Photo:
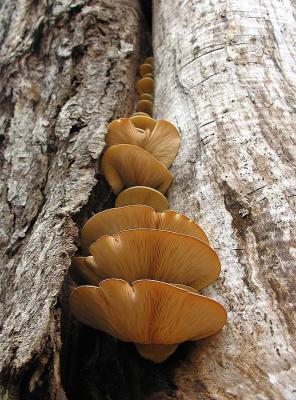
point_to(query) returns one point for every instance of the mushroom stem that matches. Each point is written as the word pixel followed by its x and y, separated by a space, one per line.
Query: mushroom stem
pixel 156 352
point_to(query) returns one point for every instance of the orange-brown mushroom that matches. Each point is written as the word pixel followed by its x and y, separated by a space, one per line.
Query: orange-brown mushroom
pixel 143 122
pixel 146 69
pixel 156 316
pixel 149 60
pixel 146 96
pixel 125 165
pixel 162 142
pixel 142 195
pixel 155 254
pixel 114 220
pixel 145 106
pixel 145 85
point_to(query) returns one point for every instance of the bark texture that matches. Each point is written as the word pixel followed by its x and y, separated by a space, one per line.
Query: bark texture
pixel 67 69
pixel 230 84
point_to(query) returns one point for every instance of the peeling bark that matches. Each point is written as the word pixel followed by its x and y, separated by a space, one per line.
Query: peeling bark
pixel 67 68
pixel 230 84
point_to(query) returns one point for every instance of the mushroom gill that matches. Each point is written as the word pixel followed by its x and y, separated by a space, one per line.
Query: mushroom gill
pixel 155 254
pixel 156 316
pixel 114 220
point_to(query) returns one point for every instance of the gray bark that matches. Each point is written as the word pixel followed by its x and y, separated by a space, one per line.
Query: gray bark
pixel 229 86
pixel 67 69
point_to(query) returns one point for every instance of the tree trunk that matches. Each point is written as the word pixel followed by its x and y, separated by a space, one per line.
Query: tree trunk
pixel 225 74
pixel 67 69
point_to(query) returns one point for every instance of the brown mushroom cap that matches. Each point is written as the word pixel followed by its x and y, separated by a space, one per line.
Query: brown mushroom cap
pixel 125 165
pixel 147 313
pixel 163 142
pixel 145 106
pixel 114 220
pixel 146 96
pixel 149 60
pixel 145 85
pixel 142 195
pixel 155 254
pixel 146 69
pixel 143 122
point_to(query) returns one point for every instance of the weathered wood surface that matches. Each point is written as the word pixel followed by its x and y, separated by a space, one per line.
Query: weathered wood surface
pixel 67 68
pixel 226 75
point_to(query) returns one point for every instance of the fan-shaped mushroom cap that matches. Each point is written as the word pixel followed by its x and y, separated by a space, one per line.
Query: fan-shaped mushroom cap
pixel 148 313
pixel 126 165
pixel 149 60
pixel 142 195
pixel 145 106
pixel 146 96
pixel 163 142
pixel 146 69
pixel 145 85
pixel 155 254
pixel 149 75
pixel 114 220
pixel 143 122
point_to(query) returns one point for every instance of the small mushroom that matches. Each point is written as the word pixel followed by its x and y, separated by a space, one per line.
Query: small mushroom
pixel 145 106
pixel 146 96
pixel 146 69
pixel 141 114
pixel 143 122
pixel 142 195
pixel 163 142
pixel 114 220
pixel 156 254
pixel 145 85
pixel 156 316
pixel 149 60
pixel 125 165
pixel 149 75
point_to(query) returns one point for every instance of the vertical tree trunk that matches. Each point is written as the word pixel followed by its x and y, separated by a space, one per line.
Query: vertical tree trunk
pixel 67 69
pixel 225 74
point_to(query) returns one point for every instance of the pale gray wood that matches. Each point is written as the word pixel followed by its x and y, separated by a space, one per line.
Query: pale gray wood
pixel 67 69
pixel 226 76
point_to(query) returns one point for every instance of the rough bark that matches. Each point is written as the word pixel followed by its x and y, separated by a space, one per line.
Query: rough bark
pixel 67 68
pixel 230 84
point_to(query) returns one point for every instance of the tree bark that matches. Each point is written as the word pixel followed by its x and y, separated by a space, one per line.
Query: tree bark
pixel 67 69
pixel 225 75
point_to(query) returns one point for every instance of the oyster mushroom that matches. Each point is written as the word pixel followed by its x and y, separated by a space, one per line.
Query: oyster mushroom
pixel 145 85
pixel 145 106
pixel 142 195
pixel 126 165
pixel 146 96
pixel 162 142
pixel 155 254
pixel 156 316
pixel 146 69
pixel 114 220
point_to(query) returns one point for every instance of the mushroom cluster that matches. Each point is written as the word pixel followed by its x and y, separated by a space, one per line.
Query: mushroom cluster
pixel 143 265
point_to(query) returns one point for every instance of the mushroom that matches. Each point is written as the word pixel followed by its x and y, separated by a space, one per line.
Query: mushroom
pixel 125 165
pixel 156 254
pixel 145 85
pixel 142 195
pixel 145 106
pixel 149 60
pixel 162 142
pixel 140 113
pixel 156 316
pixel 146 69
pixel 114 220
pixel 146 96
pixel 143 122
